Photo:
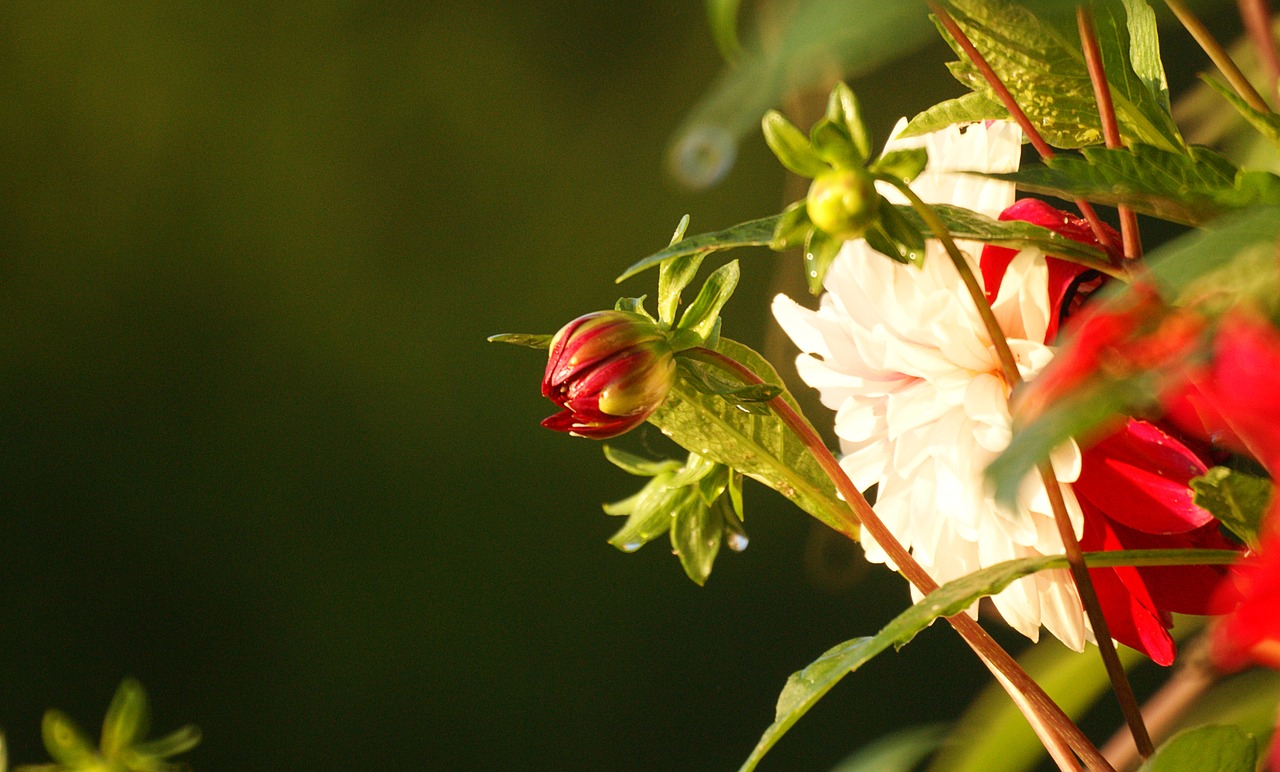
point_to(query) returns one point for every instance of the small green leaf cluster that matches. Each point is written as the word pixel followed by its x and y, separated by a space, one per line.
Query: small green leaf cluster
pixel 842 203
pixel 698 503
pixel 121 747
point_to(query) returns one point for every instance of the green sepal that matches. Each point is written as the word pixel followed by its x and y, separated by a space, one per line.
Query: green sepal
pixel 904 164
pixel 65 742
pixel 843 110
pixel 674 275
pixel 633 305
pixel 702 313
pixel 528 340
pixel 638 465
pixel 833 144
pixel 178 741
pixel 820 251
pixel 791 146
pixel 127 720
pixel 793 227
pixel 1237 499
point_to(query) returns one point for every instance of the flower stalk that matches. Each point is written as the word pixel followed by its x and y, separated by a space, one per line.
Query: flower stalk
pixel 1218 55
pixel 1054 727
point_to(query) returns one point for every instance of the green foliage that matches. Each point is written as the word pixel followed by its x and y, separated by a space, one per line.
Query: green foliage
pixel 1237 499
pixel 686 501
pixel 722 15
pixel 753 233
pixel 1189 188
pixel 703 314
pixel 1220 748
pixel 121 748
pixel 527 340
pixel 1045 71
pixel 805 688
pixel 896 752
pixel 757 445
pixel 970 108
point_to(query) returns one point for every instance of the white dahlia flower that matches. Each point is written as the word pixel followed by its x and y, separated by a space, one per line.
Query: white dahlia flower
pixel 901 355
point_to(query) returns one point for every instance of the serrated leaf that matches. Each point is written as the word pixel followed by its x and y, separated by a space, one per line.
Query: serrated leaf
pixel 1046 73
pixel 1141 98
pixel 804 688
pixel 1185 188
pixel 1237 499
pixel 967 225
pixel 759 446
pixel 1220 748
pixel 528 340
pixel 753 233
pixel 905 164
pixel 792 148
pixel 702 313
pixel 1267 124
pixel 970 108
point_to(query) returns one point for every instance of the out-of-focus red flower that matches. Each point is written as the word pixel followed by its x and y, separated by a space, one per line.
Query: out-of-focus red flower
pixel 1251 635
pixel 609 370
pixel 1133 485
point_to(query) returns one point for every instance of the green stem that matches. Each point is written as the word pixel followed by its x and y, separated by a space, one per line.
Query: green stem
pixel 1052 724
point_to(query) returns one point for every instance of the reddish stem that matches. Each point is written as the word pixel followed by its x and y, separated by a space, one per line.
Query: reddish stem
pixel 1257 19
pixel 1218 55
pixel 1040 708
pixel 1015 111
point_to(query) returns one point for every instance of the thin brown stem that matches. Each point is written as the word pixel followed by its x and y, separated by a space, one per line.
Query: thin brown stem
pixel 1218 55
pixel 1257 20
pixel 1040 709
pixel 1015 111
pixel 1107 113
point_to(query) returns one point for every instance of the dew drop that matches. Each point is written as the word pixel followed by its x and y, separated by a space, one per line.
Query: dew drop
pixel 737 541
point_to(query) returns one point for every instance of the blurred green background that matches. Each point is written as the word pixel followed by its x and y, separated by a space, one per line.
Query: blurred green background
pixel 258 454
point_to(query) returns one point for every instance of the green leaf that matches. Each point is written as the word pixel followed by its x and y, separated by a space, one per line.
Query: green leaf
pixel 1142 98
pixel 127 719
pixel 791 146
pixel 1267 124
pixel 906 165
pixel 896 752
pixel 1046 73
pixel 759 446
pixel 1219 748
pixel 712 380
pixel 722 15
pixel 1144 50
pixel 753 233
pixel 1237 499
pixel 696 530
pixel 1184 188
pixel 804 688
pixel 178 741
pixel 528 340
pixel 967 225
pixel 970 108
pixel 638 465
pixel 702 313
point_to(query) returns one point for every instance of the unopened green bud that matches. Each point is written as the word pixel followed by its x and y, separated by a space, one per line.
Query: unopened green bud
pixel 843 202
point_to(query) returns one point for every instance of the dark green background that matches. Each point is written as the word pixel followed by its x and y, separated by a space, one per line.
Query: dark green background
pixel 258 454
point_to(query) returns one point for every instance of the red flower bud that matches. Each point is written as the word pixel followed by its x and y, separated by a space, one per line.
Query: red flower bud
pixel 609 370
